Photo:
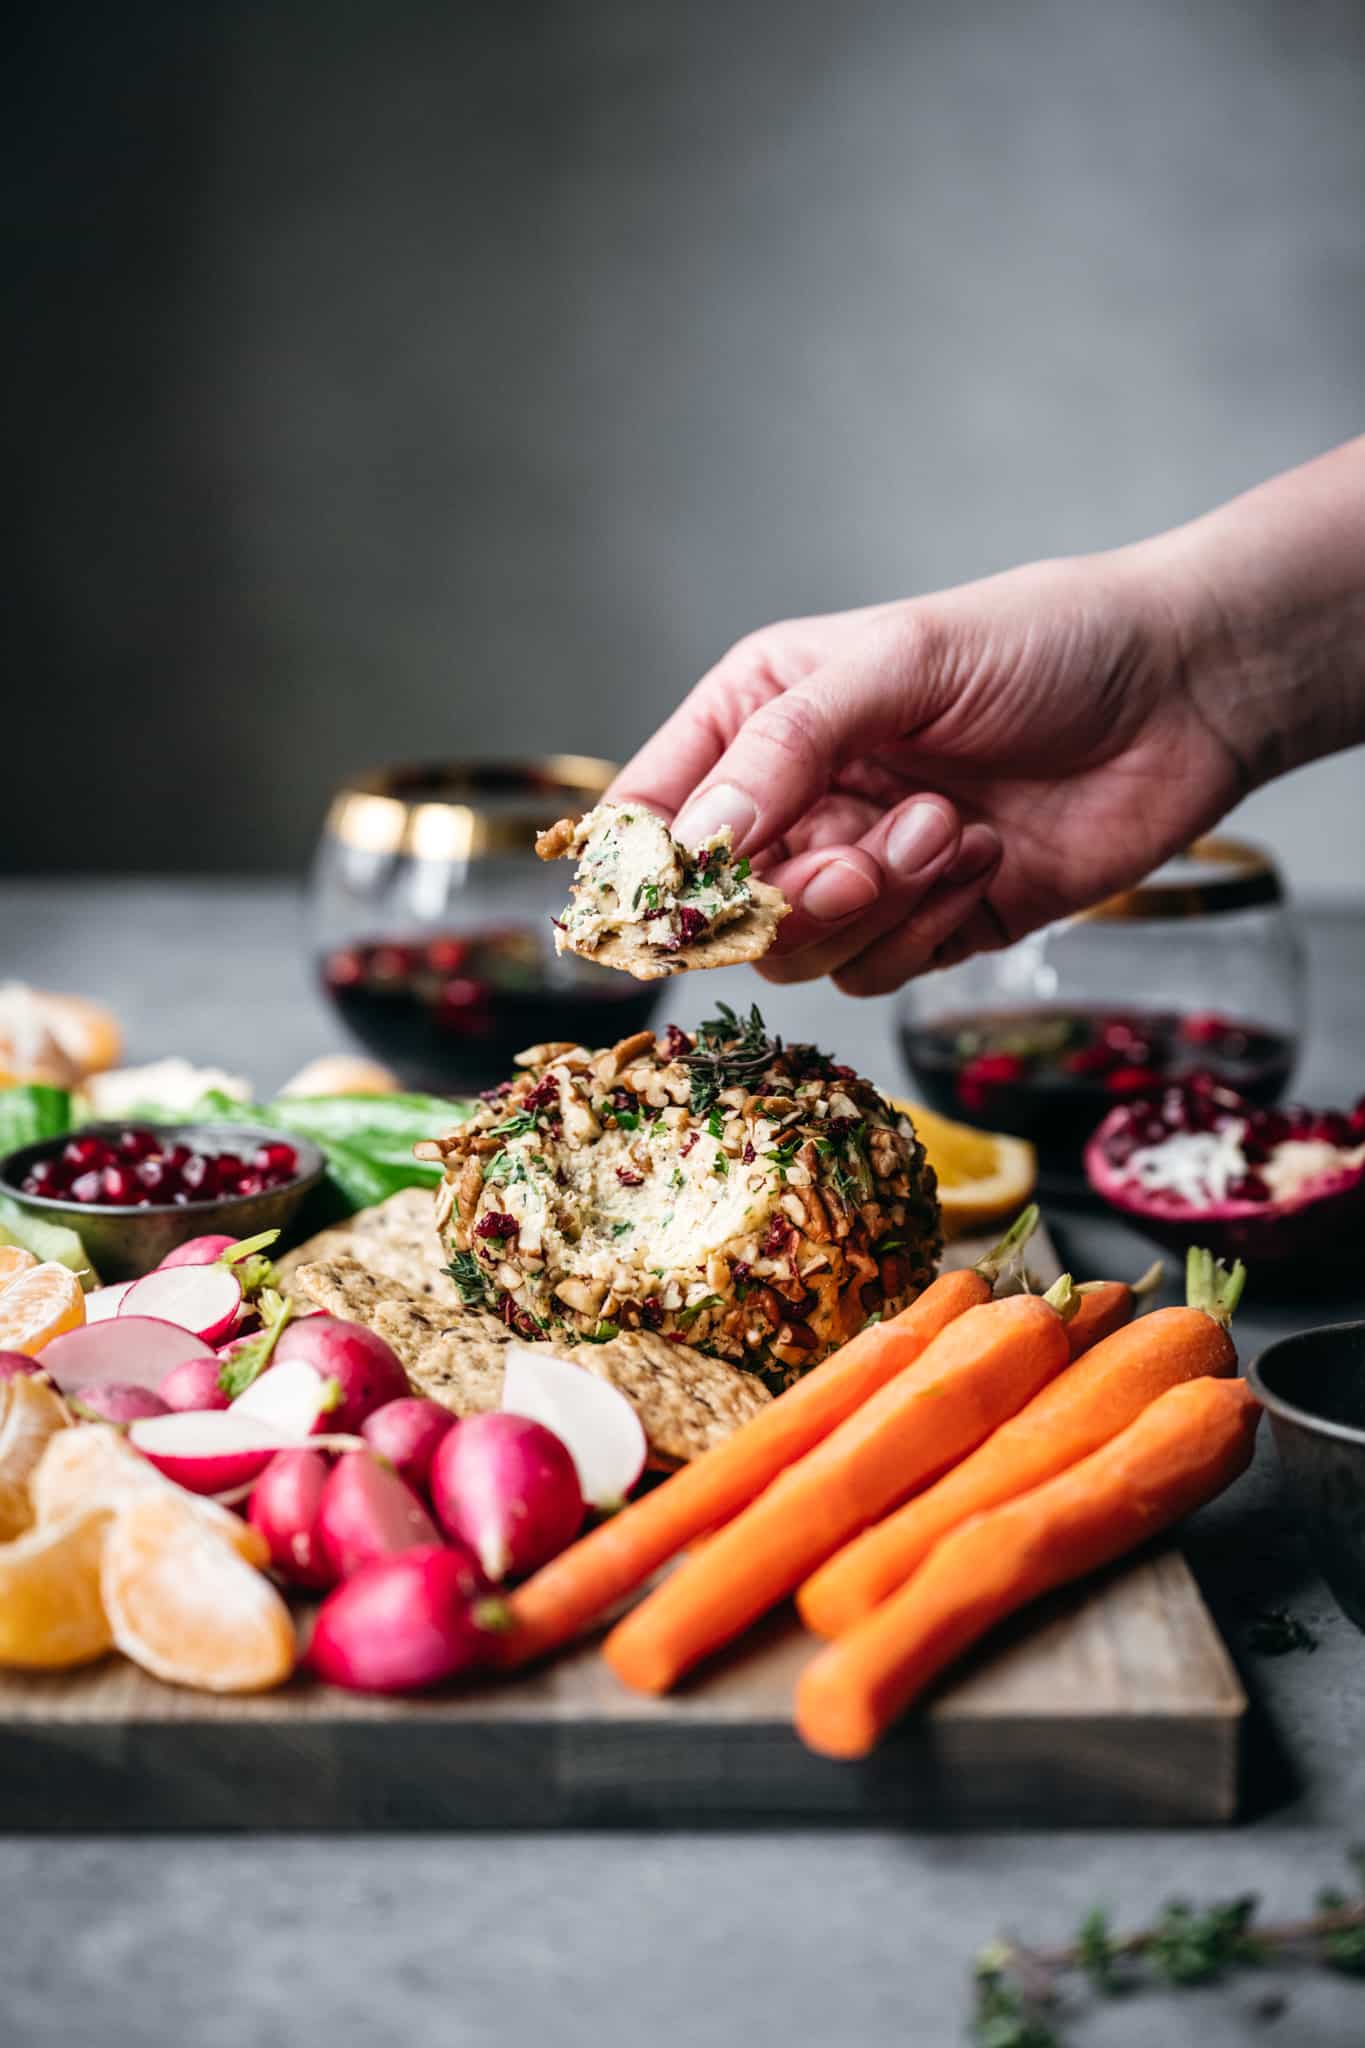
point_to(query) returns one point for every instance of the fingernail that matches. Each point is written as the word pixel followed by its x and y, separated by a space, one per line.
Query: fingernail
pixel 706 814
pixel 918 836
pixel 839 890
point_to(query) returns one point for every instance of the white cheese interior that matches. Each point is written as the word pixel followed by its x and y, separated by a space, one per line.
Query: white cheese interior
pixel 633 876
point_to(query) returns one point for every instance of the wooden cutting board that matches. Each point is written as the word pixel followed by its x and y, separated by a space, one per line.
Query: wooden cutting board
pixel 1113 1703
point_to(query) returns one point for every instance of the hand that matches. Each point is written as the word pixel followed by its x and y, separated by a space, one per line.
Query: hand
pixel 936 777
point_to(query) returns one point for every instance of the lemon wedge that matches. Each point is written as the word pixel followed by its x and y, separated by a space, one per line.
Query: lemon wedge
pixel 983 1176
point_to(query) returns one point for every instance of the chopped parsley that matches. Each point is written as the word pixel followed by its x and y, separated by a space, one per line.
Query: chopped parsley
pixel 517 1126
pixel 620 1229
pixel 648 894
pixel 742 869
pixel 603 1334
pixel 689 1315
pixel 505 1171
pixel 676 1177
pixel 628 1119
pixel 721 1165
pixel 715 1125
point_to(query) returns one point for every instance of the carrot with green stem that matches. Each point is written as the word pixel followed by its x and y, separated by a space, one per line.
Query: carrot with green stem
pixel 983 1367
pixel 1106 1305
pixel 584 1582
pixel 1081 1409
pixel 1192 1442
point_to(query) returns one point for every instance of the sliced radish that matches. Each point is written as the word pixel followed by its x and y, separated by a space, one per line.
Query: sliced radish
pixel 368 1512
pixel 602 1430
pixel 138 1349
pixel 293 1397
pixel 119 1401
pixel 207 1452
pixel 193 1384
pixel 197 1251
pixel 104 1302
pixel 202 1299
pixel 363 1365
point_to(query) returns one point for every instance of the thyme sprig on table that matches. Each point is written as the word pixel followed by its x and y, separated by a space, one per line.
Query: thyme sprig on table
pixel 1018 1991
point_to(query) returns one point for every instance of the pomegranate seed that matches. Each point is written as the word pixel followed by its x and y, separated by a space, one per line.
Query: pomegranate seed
pixel 1331 1128
pixel 274 1157
pixel 86 1186
pixel 1204 1027
pixel 1250 1188
pixel 86 1152
pixel 195 1174
pixel 1127 1080
pixel 344 970
pixel 134 1145
pixel 247 1184
pixel 389 963
pixel 117 1184
pixel 447 956
pixel 1090 1059
pixel 157 1178
pixel 40 1176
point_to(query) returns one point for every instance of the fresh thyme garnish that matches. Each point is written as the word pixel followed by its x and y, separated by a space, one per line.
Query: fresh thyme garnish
pixel 728 1053
pixel 1017 1990
pixel 469 1276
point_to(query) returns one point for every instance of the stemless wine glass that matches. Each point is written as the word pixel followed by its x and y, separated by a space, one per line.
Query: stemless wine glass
pixel 431 919
pixel 1199 968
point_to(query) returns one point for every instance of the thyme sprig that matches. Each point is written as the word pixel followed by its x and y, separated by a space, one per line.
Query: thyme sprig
pixel 1017 1991
pixel 730 1052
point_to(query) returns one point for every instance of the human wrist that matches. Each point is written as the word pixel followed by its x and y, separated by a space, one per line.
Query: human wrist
pixel 1265 605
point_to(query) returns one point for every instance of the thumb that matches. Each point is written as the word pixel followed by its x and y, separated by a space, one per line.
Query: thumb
pixel 786 754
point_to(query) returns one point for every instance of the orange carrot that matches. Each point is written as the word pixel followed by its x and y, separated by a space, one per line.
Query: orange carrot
pixel 1190 1444
pixel 983 1367
pixel 1105 1306
pixel 1081 1409
pixel 585 1581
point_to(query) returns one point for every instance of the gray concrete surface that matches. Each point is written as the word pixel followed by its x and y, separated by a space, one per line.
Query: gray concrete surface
pixel 391 378
pixel 604 1941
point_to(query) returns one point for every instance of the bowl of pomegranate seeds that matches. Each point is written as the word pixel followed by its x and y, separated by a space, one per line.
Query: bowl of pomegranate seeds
pixel 134 1191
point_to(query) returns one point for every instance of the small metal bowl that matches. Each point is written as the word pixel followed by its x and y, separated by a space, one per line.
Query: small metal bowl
pixel 1313 1387
pixel 124 1240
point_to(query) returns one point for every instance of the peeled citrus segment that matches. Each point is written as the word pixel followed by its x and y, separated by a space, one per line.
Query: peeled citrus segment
pixel 51 1606
pixel 38 1306
pixel 14 1260
pixel 95 1465
pixel 983 1176
pixel 183 1605
pixel 31 1414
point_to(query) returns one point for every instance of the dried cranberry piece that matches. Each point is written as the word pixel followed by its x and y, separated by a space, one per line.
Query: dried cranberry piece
pixel 691 923
pixel 651 1312
pixel 741 1270
pixel 629 1178
pixel 496 1224
pixel 676 1043
pixel 545 1095
pixel 498 1094
pixel 779 1234
pixel 688 1142
pixel 748 1155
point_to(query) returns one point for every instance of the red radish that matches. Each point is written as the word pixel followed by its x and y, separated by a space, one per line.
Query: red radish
pixel 202 1299
pixel 120 1401
pixel 361 1363
pixel 197 1251
pixel 367 1512
pixel 285 1504
pixel 293 1398
pixel 507 1487
pixel 139 1349
pixel 103 1302
pixel 193 1384
pixel 406 1433
pixel 207 1453
pixel 406 1622
pixel 15 1365
pixel 602 1430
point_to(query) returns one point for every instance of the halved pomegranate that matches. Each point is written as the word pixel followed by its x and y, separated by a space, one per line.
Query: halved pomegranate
pixel 1199 1162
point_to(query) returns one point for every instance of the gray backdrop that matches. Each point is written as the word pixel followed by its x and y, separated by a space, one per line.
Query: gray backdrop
pixel 398 379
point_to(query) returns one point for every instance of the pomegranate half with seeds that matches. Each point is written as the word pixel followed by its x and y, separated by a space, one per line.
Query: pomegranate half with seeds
pixel 1201 1163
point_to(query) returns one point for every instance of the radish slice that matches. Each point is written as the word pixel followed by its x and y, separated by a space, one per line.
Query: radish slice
pixel 598 1424
pixel 293 1398
pixel 197 1251
pixel 117 1401
pixel 139 1350
pixel 106 1301
pixel 193 1384
pixel 209 1451
pixel 202 1299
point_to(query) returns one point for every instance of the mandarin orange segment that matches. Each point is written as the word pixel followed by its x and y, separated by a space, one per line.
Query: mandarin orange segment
pixel 14 1260
pixel 43 1303
pixel 31 1414
pixel 51 1606
pixel 183 1604
pixel 95 1465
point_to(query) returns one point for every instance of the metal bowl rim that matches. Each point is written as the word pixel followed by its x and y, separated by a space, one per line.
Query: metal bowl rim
pixel 1289 1411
